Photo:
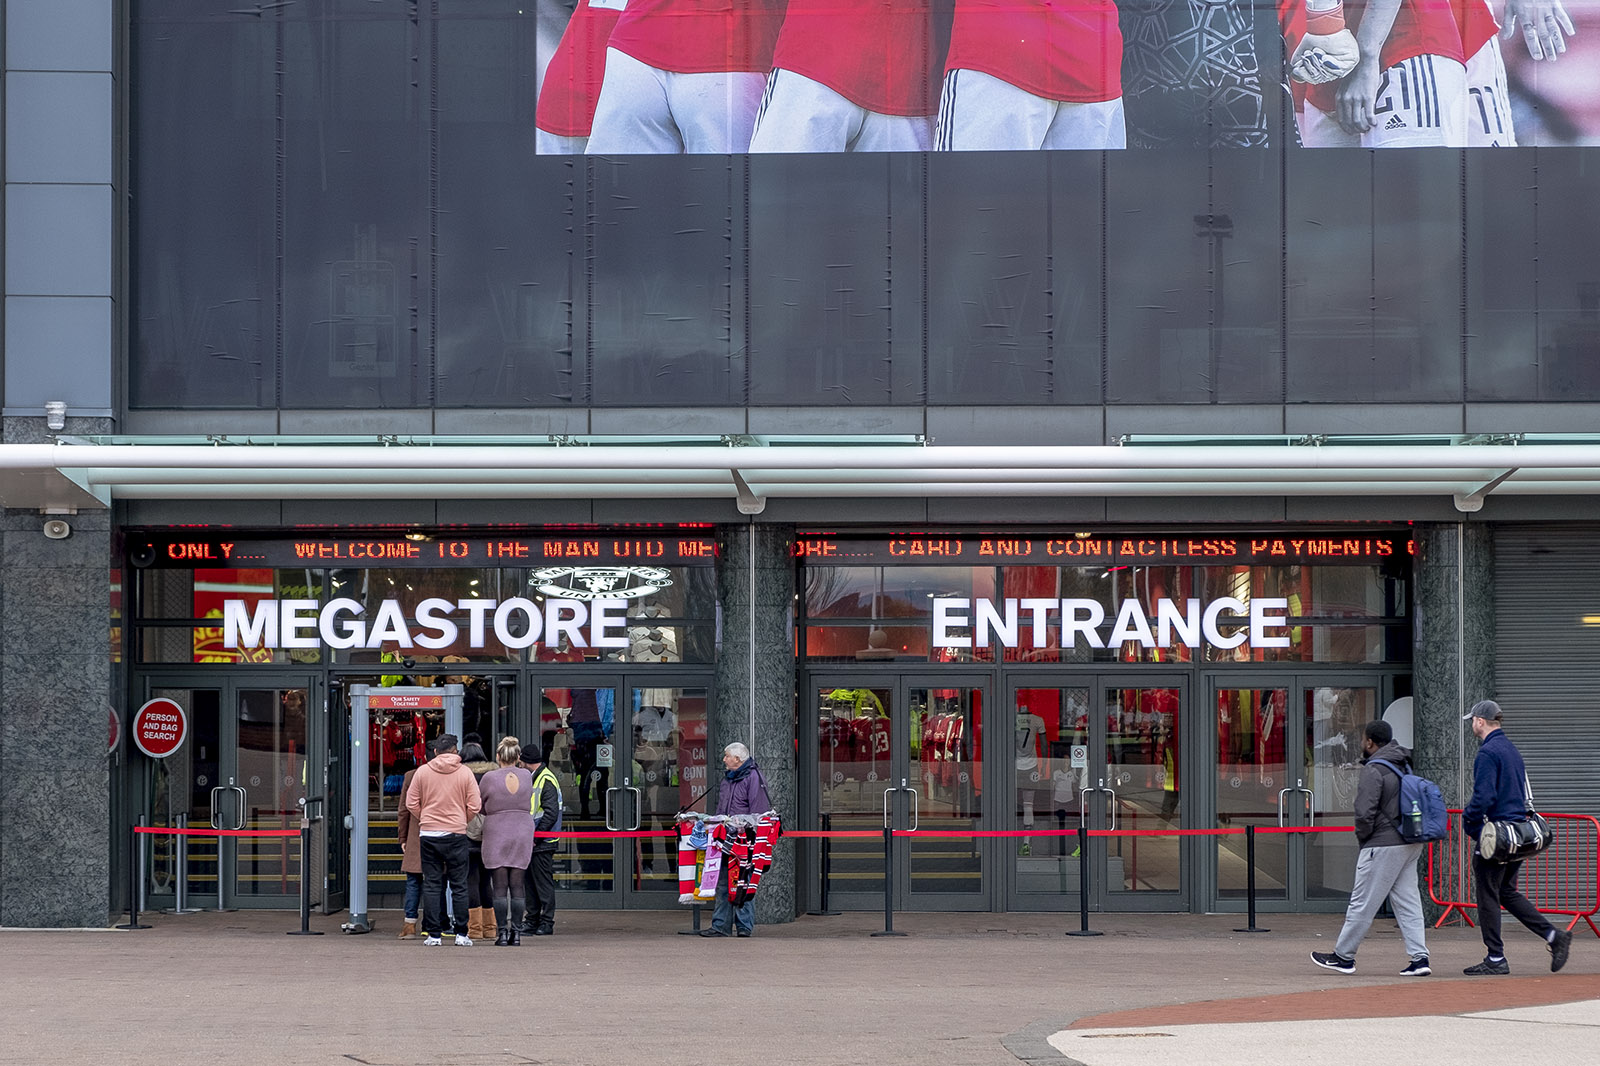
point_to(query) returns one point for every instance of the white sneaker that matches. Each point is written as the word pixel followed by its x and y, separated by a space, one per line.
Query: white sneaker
pixel 463 941
pixel 432 942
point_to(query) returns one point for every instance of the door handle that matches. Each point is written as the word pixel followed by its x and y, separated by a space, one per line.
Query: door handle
pixel 609 791
pixel 1113 794
pixel 886 793
pixel 1282 792
pixel 1311 802
pixel 638 803
pixel 916 806
pixel 1083 802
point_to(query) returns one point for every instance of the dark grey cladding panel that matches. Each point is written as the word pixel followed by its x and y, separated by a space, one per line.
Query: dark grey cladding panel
pixel 28 429
pixel 1220 420
pixel 837 419
pixel 1538 509
pixel 966 510
pixel 51 702
pixel 667 420
pixel 476 422
pixel 1167 510
pixel 192 421
pixel 518 512
pixel 623 512
pixel 1335 418
pixel 203 512
pixel 58 812
pixel 1532 417
pixel 1370 509
pixel 358 512
pixel 404 421
pixel 814 512
pixel 1017 425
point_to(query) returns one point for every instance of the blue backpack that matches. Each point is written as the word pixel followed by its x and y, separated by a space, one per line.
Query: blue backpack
pixel 1422 811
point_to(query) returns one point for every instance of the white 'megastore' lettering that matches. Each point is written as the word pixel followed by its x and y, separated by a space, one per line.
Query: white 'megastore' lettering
pixel 339 623
pixel 987 622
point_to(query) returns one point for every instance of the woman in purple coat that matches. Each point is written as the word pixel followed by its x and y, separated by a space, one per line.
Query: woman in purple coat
pixel 507 837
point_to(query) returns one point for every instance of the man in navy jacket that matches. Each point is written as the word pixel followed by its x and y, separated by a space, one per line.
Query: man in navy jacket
pixel 1500 794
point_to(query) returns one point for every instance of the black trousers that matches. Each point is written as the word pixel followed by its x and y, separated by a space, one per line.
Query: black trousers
pixel 541 877
pixel 444 858
pixel 1497 887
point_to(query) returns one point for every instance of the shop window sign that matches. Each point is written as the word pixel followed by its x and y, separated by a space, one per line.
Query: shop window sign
pixel 516 622
pixel 1225 622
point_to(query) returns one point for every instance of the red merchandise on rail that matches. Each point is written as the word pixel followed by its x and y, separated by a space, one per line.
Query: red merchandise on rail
pixel 1563 879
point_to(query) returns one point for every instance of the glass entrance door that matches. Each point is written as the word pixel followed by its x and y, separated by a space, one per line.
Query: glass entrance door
pixel 629 755
pixel 1288 754
pixel 1101 752
pixel 243 766
pixel 908 754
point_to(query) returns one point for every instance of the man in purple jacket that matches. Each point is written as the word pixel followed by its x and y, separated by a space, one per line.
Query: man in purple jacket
pixel 744 791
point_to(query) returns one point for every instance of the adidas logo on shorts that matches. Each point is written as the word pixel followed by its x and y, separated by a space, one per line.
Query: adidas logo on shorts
pixel 1395 123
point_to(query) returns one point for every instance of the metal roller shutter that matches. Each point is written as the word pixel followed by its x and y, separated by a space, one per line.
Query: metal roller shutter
pixel 1547 660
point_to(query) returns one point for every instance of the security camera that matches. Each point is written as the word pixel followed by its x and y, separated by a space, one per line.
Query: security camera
pixel 57 529
pixel 142 556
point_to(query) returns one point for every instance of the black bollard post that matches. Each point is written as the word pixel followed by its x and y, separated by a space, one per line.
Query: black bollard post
pixel 305 885
pixel 1250 880
pixel 694 928
pixel 1083 885
pixel 133 881
pixel 888 885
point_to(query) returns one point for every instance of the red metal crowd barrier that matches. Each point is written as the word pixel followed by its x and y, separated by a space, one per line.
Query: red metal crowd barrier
pixel 1563 879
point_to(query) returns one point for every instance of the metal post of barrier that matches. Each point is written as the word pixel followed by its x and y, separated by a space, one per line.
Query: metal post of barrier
pixel 135 876
pixel 888 885
pixel 182 874
pixel 1250 879
pixel 1083 886
pixel 694 929
pixel 305 882
pixel 827 869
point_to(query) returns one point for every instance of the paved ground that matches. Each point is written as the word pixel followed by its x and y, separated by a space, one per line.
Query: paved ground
pixel 966 989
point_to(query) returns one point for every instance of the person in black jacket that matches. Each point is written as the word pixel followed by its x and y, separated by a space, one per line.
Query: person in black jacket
pixel 1500 794
pixel 541 875
pixel 1387 865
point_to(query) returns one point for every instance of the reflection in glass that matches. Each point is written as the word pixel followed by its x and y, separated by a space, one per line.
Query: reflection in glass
pixel 855 742
pixel 1047 744
pixel 582 754
pixel 1142 731
pixel 271 768
pixel 1251 772
pixel 1335 719
pixel 946 752
pixel 669 773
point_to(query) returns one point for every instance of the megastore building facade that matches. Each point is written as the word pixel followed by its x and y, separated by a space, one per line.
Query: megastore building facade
pixel 1114 482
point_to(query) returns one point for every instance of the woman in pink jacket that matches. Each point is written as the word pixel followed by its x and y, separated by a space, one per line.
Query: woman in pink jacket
pixel 507 793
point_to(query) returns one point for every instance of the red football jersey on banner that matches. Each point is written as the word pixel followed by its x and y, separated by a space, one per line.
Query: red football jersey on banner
pixel 883 55
pixel 700 36
pixel 1068 50
pixel 1422 28
pixel 572 81
pixel 1477 24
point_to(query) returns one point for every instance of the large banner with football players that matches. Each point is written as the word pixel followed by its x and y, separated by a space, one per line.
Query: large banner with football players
pixel 621 77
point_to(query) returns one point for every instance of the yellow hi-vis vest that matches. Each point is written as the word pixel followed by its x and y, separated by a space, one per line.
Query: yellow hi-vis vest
pixel 539 779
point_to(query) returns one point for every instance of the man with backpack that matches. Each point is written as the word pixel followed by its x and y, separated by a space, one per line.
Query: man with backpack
pixel 1387 865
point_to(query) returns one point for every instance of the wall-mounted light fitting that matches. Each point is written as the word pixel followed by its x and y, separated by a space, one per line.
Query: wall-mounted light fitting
pixel 55 414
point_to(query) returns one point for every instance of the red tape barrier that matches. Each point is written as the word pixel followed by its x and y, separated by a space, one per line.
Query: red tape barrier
pixel 208 832
pixel 1563 879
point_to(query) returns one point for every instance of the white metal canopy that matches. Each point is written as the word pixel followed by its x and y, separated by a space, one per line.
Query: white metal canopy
pixel 87 473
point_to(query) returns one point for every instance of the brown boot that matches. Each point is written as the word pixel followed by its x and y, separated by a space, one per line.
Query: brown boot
pixel 477 928
pixel 408 931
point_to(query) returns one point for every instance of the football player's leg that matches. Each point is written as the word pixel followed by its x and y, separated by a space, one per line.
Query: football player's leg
pixel 1090 125
pixel 1421 103
pixel 893 133
pixel 555 144
pixel 801 115
pixel 1319 129
pixel 716 112
pixel 1488 105
pixel 981 113
pixel 632 116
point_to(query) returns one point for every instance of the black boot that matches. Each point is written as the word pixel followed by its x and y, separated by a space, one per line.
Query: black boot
pixel 545 929
pixel 502 927
pixel 518 918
